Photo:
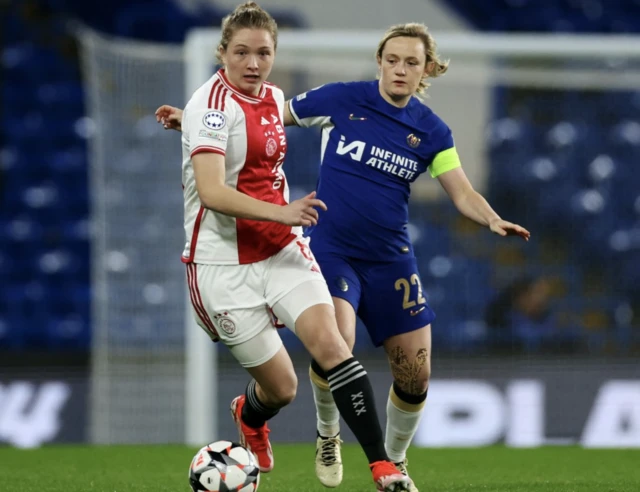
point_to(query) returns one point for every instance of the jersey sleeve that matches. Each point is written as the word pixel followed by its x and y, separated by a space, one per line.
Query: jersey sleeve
pixel 207 128
pixel 446 156
pixel 317 106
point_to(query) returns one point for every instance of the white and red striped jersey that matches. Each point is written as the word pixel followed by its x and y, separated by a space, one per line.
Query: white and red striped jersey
pixel 249 132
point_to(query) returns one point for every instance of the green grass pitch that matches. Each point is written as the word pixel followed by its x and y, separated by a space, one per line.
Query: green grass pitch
pixel 164 469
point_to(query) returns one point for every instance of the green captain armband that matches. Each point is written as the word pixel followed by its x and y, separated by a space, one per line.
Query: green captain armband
pixel 444 161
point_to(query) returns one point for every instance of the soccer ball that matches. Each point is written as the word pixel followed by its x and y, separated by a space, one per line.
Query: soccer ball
pixel 224 466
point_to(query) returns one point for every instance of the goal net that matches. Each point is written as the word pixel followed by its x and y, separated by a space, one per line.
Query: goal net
pixel 138 281
pixel 547 129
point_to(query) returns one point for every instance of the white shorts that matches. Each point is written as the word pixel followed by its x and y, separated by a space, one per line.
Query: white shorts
pixel 241 304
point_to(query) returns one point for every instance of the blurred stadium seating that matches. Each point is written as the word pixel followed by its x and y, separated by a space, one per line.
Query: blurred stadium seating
pixel 564 163
pixel 595 16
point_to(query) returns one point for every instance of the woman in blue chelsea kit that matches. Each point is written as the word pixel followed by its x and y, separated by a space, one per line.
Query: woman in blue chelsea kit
pixel 377 138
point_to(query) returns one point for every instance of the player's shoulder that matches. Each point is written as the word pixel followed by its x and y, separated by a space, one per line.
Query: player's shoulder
pixel 199 96
pixel 352 89
pixel 353 86
pixel 425 117
pixel 270 86
pixel 213 94
pixel 340 89
pixel 276 92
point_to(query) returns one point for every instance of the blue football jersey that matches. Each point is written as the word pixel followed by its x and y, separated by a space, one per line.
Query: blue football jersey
pixel 371 153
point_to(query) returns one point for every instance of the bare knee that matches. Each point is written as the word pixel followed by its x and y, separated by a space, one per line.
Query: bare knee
pixel 279 395
pixel 331 353
pixel 329 348
pixel 286 394
pixel 277 382
pixel 318 331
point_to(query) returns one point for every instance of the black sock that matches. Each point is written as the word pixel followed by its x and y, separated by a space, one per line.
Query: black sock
pixel 254 412
pixel 408 397
pixel 353 395
pixel 317 369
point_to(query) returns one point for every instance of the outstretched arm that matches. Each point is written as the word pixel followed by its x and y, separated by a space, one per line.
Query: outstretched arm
pixel 472 204
pixel 169 117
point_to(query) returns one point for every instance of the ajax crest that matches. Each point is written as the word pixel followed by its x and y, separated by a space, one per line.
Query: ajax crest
pixel 225 323
pixel 272 146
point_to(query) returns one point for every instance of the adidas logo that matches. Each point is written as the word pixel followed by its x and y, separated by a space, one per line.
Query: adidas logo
pixel 264 121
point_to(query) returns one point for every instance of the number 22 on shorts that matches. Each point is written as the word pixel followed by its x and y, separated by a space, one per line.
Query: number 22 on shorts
pixel 405 286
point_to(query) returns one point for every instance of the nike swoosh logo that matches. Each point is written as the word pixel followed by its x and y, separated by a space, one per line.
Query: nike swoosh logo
pixel 413 312
pixel 356 118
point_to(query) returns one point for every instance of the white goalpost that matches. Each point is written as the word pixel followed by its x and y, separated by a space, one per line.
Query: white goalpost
pixel 155 374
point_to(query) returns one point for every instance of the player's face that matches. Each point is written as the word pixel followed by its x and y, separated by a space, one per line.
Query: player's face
pixel 249 58
pixel 402 67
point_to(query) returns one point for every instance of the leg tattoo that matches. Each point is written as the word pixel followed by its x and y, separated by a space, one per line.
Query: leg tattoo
pixel 407 372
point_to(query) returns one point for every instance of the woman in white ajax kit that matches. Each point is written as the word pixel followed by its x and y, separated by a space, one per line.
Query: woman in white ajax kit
pixel 246 258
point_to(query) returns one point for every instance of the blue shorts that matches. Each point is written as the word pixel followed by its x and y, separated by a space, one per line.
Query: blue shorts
pixel 387 297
